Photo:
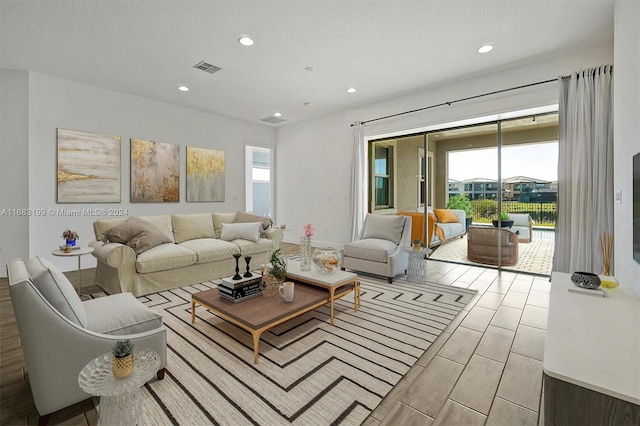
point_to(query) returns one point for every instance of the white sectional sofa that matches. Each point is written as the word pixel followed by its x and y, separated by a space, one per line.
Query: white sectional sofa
pixel 147 254
pixel 451 229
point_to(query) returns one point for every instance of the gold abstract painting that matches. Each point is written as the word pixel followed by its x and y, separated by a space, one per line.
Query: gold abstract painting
pixel 155 172
pixel 88 167
pixel 205 174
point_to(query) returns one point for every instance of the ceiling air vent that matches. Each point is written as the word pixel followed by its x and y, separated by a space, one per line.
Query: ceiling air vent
pixel 206 67
pixel 273 120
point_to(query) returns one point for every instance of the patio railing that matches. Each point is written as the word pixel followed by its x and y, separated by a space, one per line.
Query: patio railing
pixel 544 214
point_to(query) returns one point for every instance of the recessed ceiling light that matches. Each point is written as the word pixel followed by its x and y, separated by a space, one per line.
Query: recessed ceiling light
pixel 277 114
pixel 183 88
pixel 246 41
pixel 351 90
pixel 485 49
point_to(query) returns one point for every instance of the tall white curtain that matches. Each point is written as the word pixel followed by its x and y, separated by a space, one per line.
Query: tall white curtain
pixel 358 205
pixel 585 169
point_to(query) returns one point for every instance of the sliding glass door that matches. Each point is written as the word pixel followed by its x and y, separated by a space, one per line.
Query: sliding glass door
pixel 507 166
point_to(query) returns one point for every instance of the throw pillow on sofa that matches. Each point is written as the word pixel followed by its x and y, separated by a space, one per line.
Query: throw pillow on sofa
pixel 245 217
pixel 138 234
pixel 445 216
pixel 243 231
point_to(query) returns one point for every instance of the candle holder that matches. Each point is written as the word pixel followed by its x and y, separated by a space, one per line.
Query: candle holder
pixel 237 276
pixel 248 273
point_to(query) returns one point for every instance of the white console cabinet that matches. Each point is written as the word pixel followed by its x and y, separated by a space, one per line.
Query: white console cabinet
pixel 592 356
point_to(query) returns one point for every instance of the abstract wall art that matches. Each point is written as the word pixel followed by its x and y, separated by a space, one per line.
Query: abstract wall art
pixel 205 174
pixel 155 172
pixel 88 167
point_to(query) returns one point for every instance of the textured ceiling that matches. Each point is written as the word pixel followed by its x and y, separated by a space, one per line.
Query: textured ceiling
pixel 384 48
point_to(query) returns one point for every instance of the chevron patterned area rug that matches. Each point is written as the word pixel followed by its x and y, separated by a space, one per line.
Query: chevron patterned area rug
pixel 310 373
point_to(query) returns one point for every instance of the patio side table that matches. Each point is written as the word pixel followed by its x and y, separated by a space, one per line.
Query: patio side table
pixel 416 268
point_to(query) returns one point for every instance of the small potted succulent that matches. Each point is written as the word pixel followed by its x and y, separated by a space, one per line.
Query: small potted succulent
pixel 504 218
pixel 122 364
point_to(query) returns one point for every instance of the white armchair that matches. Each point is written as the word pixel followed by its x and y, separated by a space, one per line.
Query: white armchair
pixel 380 250
pixel 61 334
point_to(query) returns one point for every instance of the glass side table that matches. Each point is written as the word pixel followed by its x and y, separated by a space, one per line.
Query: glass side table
pixel 416 268
pixel 120 399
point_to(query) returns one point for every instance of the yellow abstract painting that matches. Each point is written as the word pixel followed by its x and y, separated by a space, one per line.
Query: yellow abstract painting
pixel 205 174
pixel 155 172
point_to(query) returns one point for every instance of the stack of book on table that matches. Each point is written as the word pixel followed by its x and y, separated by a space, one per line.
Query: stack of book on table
pixel 239 290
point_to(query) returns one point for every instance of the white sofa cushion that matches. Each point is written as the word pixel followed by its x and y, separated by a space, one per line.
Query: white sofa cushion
pixel 519 219
pixel 373 249
pixel 57 289
pixel 248 248
pixel 164 257
pixel 386 227
pixel 119 314
pixel 244 231
pixel 451 229
pixel 191 226
pixel 211 249
pixel 219 219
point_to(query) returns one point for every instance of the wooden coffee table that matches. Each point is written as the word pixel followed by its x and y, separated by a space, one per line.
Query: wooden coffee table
pixel 259 314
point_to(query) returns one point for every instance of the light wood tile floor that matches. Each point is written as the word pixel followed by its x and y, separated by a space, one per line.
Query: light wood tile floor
pixel 485 369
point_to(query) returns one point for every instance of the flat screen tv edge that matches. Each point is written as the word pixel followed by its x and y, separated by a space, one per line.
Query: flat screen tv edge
pixel 636 207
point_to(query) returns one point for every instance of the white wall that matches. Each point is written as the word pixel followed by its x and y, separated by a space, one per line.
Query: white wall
pixel 14 171
pixel 626 134
pixel 55 102
pixel 313 157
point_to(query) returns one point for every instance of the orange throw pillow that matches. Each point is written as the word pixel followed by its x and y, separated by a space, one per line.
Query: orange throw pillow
pixel 446 216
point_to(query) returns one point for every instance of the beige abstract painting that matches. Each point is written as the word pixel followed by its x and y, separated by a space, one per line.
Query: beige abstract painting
pixel 155 172
pixel 205 174
pixel 88 167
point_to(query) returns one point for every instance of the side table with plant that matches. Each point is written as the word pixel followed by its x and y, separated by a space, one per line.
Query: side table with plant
pixel 122 364
pixel 70 238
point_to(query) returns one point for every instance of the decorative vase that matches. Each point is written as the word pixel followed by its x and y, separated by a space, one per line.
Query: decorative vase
pixel 71 243
pixel 122 367
pixel 305 253
pixel 326 259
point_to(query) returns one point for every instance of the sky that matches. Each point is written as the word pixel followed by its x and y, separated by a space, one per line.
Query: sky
pixel 539 161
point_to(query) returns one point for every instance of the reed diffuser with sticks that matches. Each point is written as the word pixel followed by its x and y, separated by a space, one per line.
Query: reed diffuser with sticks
pixel 606 247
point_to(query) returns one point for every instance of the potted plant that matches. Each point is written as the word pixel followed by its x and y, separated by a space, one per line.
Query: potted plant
pixel 122 364
pixel 278 265
pixel 461 202
pixel 70 238
pixel 504 218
